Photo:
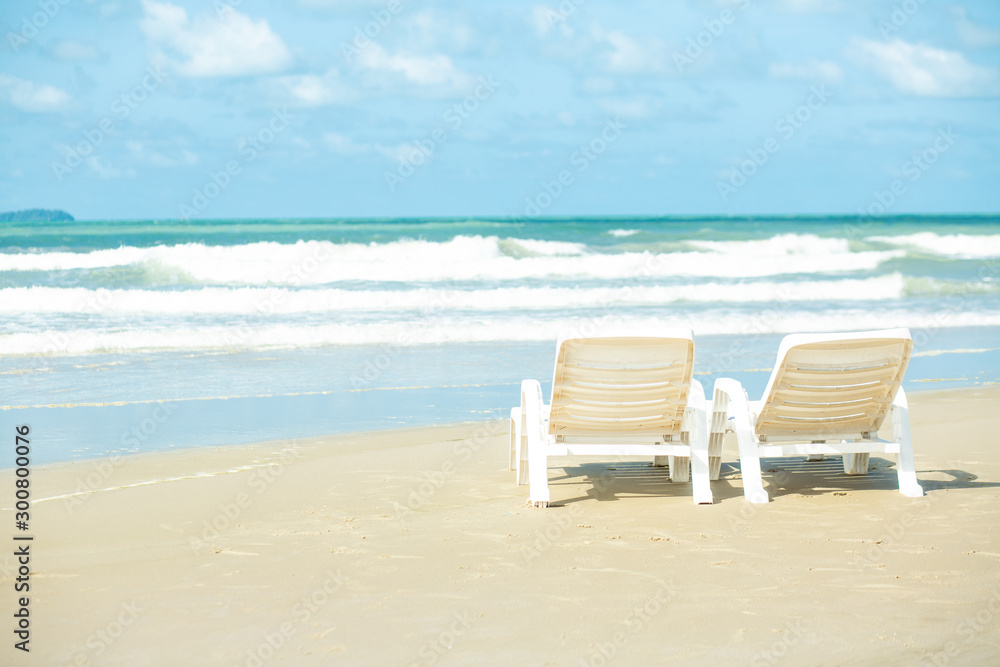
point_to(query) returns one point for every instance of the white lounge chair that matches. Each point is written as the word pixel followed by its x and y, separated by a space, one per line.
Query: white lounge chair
pixel 828 394
pixel 615 394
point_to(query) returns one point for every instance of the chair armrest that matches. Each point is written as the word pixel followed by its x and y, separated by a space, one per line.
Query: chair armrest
pixel 534 412
pixel 730 402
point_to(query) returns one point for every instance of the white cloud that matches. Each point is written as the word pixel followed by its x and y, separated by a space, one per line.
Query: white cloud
pixel 973 34
pixel 813 70
pixel 923 70
pixel 139 150
pixel 433 70
pixel 33 97
pixel 430 29
pixel 545 18
pixel 636 107
pixel 344 145
pixel 109 9
pixel 342 5
pixel 626 54
pixel 312 90
pixel 810 6
pixel 226 44
pixel 70 50
pixel 599 85
pixel 402 152
pixel 107 171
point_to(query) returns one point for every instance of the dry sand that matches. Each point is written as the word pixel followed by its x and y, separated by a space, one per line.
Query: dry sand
pixel 415 547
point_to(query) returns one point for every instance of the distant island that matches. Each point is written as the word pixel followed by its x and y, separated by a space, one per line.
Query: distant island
pixel 36 215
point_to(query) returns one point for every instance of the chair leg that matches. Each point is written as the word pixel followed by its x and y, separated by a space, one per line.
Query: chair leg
pixel 701 486
pixel 680 469
pixel 538 473
pixel 716 436
pixel 715 453
pixel 515 417
pixel 731 398
pixel 700 481
pixel 538 470
pixel 661 461
pixel 522 450
pixel 816 457
pixel 753 483
pixel 856 464
pixel 905 466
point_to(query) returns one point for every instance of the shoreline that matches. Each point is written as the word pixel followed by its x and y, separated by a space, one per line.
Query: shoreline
pixel 922 394
pixel 414 546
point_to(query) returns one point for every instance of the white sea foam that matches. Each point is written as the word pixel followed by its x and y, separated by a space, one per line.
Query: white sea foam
pixel 623 232
pixel 463 258
pixel 277 300
pixel 442 330
pixel 968 246
pixel 61 261
pixel 781 245
pixel 550 248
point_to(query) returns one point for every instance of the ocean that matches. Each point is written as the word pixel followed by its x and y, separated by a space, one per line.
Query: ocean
pixel 129 336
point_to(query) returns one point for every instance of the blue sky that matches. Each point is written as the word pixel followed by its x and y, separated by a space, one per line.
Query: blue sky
pixel 136 109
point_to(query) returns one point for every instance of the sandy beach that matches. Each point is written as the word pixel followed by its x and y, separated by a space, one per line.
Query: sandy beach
pixel 415 547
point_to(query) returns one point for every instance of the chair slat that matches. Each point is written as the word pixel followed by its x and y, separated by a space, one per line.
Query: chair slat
pixel 632 393
pixel 836 378
pixel 828 394
pixel 846 384
pixel 617 410
pixel 670 374
pixel 586 427
pixel 823 411
pixel 611 383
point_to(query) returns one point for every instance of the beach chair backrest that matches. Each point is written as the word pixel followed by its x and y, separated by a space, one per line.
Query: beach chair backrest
pixel 621 384
pixel 834 385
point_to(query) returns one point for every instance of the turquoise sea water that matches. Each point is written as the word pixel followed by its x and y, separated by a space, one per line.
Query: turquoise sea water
pixel 130 336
